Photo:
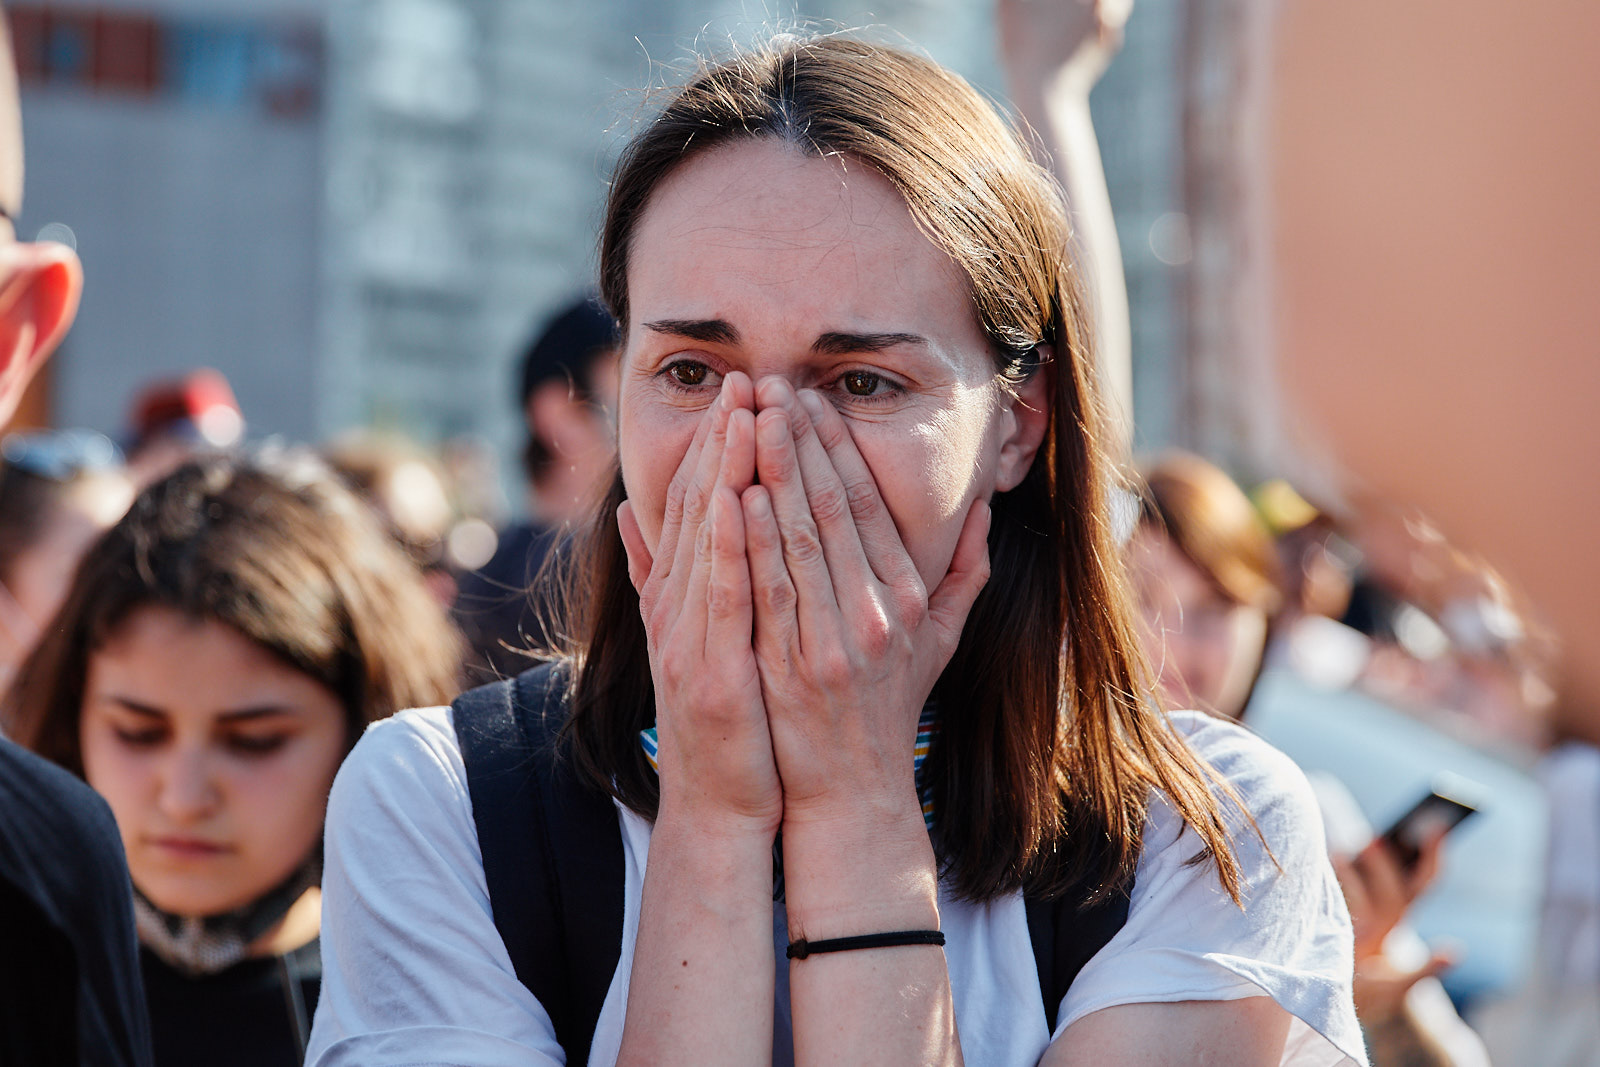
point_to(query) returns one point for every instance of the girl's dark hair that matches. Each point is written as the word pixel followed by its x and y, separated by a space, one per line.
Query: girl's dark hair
pixel 272 545
pixel 1049 743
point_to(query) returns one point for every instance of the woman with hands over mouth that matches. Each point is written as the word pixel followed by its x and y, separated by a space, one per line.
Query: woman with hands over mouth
pixel 860 512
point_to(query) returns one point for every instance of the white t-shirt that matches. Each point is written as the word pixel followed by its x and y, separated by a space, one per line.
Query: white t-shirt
pixel 414 971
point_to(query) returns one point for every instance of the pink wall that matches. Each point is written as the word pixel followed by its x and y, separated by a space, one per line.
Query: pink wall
pixel 1436 177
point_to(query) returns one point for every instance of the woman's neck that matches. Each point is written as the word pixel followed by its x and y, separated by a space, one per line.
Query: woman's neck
pixel 298 927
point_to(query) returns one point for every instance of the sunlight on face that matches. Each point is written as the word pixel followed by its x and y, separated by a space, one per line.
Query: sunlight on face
pixel 757 258
pixel 1207 646
pixel 215 756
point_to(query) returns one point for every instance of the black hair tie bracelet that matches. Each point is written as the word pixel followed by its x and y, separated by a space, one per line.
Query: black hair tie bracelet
pixel 799 950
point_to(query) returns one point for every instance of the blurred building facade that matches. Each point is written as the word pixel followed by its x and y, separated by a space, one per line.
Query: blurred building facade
pixel 178 145
pixel 357 211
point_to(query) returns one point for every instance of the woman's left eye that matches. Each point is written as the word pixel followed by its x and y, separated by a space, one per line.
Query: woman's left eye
pixel 688 375
pixel 139 738
pixel 249 745
pixel 860 382
pixel 866 384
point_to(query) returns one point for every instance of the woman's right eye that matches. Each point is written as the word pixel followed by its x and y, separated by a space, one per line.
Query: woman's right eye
pixel 687 373
pixel 139 738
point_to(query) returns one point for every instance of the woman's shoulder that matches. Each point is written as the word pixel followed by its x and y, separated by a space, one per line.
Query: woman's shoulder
pixel 406 767
pixel 1233 748
pixel 415 742
pixel 1288 937
pixel 1270 785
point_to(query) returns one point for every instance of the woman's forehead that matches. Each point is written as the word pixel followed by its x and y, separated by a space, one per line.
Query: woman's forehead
pixel 761 227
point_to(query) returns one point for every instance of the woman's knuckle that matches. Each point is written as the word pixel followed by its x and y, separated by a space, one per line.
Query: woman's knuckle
pixel 876 641
pixel 830 505
pixel 694 503
pixel 724 600
pixel 677 667
pixel 777 596
pixel 832 666
pixel 803 546
pixel 675 490
pixel 908 602
pixel 863 498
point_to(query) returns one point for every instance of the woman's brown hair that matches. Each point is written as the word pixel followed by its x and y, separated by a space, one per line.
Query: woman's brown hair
pixel 272 545
pixel 1048 743
pixel 1213 523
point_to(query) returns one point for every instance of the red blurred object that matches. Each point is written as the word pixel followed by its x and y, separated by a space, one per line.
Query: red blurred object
pixel 127 53
pixel 187 405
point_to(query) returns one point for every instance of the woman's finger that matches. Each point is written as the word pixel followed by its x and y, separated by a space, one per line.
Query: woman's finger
pixel 952 599
pixel 639 559
pixel 1355 890
pixel 771 589
pixel 827 495
pixel 1426 869
pixel 779 471
pixel 1384 879
pixel 879 537
pixel 666 550
pixel 738 469
pixel 698 489
pixel 729 614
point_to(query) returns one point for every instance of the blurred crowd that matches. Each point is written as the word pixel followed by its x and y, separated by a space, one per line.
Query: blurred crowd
pixel 1240 589
pixel 147 582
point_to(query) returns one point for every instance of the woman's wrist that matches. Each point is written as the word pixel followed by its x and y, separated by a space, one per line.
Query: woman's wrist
pixel 712 829
pixel 859 874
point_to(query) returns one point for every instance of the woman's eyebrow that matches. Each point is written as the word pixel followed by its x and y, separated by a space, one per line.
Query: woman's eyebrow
pixel 264 711
pixel 842 344
pixel 136 707
pixel 832 343
pixel 708 331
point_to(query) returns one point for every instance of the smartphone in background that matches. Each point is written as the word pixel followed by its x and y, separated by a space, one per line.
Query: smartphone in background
pixel 1444 808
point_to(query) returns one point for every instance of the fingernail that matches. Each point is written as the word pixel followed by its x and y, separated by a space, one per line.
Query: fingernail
pixel 774 430
pixel 811 402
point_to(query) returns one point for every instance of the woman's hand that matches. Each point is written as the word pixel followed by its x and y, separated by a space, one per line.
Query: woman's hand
pixel 715 757
pixel 848 641
pixel 848 645
pixel 701 987
pixel 1042 40
pixel 1379 891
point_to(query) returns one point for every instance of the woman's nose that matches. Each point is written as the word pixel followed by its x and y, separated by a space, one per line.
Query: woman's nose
pixel 188 790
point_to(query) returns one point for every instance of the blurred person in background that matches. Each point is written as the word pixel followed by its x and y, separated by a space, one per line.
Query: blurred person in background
pixel 70 990
pixel 172 419
pixel 1211 592
pixel 219 652
pixel 1054 53
pixel 1554 1020
pixel 1317 564
pixel 59 491
pixel 568 389
pixel 407 489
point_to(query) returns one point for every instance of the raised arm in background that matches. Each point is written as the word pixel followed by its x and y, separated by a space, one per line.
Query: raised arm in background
pixel 1054 51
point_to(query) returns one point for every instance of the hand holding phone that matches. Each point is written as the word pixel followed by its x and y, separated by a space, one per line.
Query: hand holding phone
pixel 1444 808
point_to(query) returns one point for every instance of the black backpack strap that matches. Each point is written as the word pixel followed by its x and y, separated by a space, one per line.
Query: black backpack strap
pixel 551 847
pixel 1065 936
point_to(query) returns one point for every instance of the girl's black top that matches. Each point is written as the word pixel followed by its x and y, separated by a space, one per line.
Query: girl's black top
pixel 241 1017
